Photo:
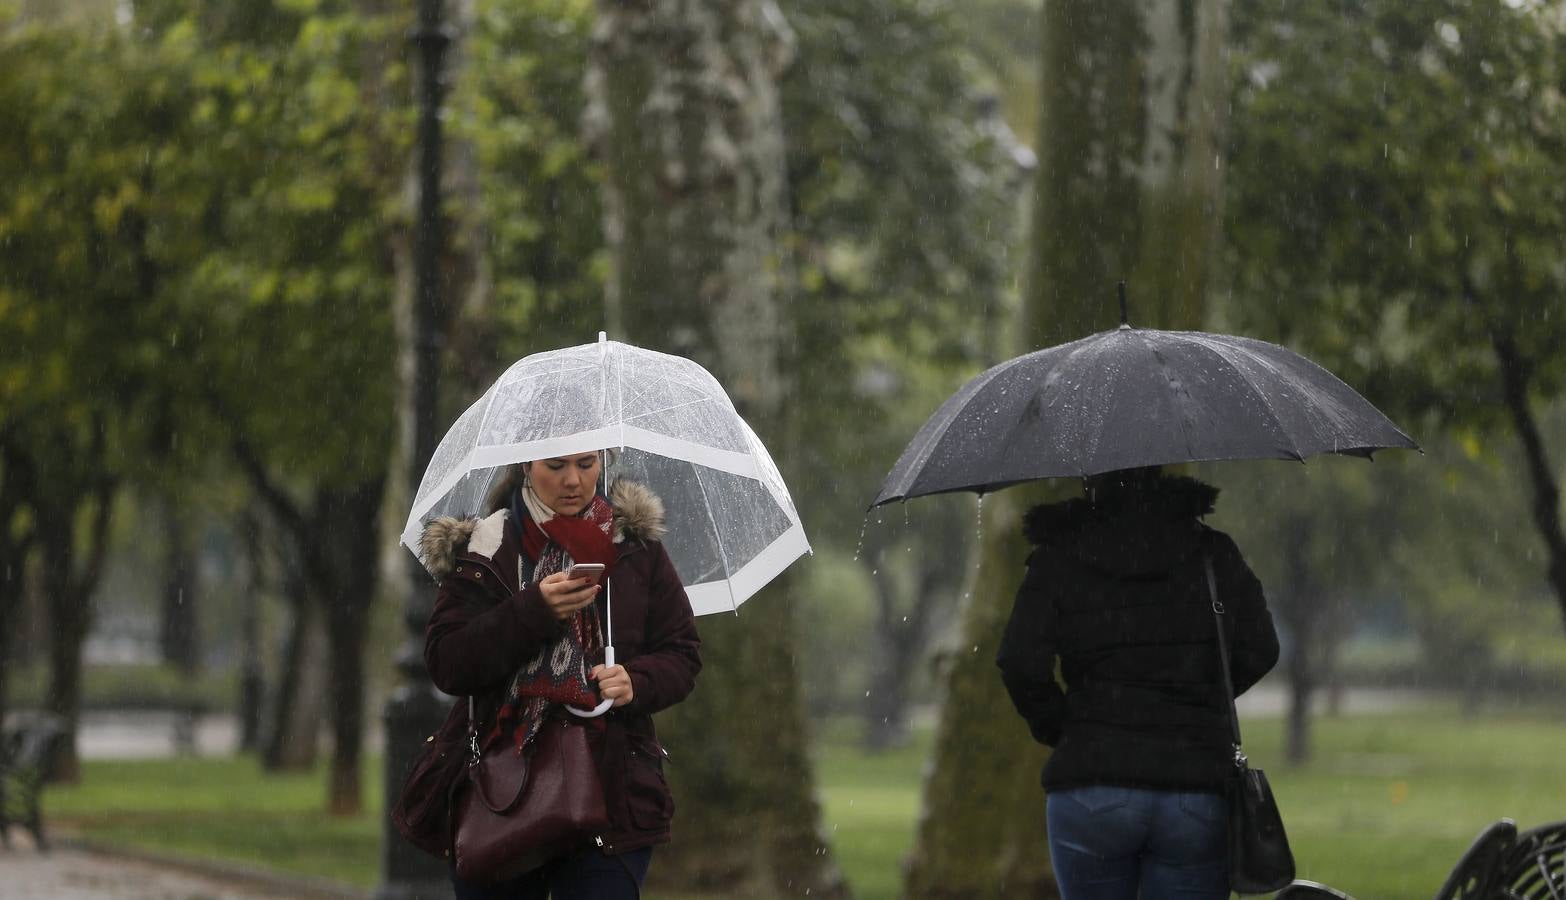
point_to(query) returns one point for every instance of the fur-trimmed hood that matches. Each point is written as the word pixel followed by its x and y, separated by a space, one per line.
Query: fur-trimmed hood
pixel 1132 531
pixel 638 515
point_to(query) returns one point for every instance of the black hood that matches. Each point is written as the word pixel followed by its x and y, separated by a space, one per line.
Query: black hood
pixel 1138 531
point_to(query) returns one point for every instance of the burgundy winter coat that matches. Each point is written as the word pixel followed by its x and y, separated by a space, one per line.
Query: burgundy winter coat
pixel 483 629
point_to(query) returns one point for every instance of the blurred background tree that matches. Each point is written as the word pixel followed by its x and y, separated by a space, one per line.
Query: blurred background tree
pixel 1128 125
pixel 1377 231
pixel 204 271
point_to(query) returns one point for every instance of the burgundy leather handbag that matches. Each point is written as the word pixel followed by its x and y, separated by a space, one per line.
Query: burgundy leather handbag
pixel 521 810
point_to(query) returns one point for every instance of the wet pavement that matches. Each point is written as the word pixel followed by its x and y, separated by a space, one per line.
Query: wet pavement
pixel 70 874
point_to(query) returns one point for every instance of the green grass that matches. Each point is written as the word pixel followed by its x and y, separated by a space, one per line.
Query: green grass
pixel 870 804
pixel 223 809
pixel 1384 809
pixel 1388 803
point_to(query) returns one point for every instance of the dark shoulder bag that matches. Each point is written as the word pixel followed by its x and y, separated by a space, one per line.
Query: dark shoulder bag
pixel 1260 861
pixel 422 810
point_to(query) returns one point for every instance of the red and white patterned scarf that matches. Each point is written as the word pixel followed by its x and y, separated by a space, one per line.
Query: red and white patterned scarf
pixel 558 674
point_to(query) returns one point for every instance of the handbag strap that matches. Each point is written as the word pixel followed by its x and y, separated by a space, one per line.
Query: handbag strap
pixel 473 744
pixel 476 765
pixel 1223 653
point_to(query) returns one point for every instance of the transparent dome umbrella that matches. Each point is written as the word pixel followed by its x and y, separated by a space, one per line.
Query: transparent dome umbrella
pixel 1130 398
pixel 732 526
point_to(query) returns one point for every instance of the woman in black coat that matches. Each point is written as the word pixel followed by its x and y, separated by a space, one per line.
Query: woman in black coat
pixel 1116 591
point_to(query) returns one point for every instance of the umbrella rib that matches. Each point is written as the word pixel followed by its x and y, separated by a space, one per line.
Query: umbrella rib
pixel 640 392
pixel 717 538
pixel 915 465
pixel 1171 375
pixel 1294 449
pixel 506 378
pixel 664 409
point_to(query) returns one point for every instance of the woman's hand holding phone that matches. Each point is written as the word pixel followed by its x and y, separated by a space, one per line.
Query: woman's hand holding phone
pixel 565 595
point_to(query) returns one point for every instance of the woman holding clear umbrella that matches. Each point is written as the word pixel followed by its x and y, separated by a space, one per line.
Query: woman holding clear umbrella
pixel 1116 591
pixel 513 631
pixel 522 458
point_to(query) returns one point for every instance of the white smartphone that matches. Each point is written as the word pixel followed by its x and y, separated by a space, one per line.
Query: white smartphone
pixel 591 571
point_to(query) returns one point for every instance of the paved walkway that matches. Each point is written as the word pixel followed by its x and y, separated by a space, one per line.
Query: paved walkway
pixel 66 874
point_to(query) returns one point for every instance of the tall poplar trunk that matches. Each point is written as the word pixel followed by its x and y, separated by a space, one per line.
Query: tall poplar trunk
pixel 1127 188
pixel 685 114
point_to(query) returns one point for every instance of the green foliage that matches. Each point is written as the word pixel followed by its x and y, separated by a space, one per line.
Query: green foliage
pixel 1396 192
pixel 1470 574
pixel 78 246
pixel 291 278
pixel 904 220
pixel 1395 184
pixel 539 220
pixel 200 216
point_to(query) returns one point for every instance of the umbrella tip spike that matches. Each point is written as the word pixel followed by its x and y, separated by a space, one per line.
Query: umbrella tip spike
pixel 1124 316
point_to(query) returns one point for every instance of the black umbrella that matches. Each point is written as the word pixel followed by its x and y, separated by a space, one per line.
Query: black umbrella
pixel 1135 397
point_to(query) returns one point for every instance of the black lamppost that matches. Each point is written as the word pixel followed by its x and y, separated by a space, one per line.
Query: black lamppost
pixel 414 710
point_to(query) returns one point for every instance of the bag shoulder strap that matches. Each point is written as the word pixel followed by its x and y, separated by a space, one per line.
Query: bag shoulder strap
pixel 1223 647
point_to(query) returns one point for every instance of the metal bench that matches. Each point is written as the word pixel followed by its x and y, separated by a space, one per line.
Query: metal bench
pixel 1535 866
pixel 1477 873
pixel 1480 873
pixel 28 742
pixel 1300 889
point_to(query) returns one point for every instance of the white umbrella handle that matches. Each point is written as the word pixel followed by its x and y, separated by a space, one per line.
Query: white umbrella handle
pixel 603 705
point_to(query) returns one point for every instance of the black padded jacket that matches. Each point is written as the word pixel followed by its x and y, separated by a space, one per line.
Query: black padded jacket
pixel 1116 591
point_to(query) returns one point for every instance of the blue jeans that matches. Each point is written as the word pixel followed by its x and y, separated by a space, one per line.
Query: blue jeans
pixel 1120 843
pixel 584 875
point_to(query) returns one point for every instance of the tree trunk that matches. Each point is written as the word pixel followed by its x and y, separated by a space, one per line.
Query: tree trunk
pixel 685 113
pixel 1302 611
pixel 1132 94
pixel 71 570
pixel 904 624
pixel 1128 182
pixel 896 644
pixel 178 635
pixel 299 702
pixel 351 568
pixel 252 678
pixel 984 780
pixel 15 476
pixel 1516 376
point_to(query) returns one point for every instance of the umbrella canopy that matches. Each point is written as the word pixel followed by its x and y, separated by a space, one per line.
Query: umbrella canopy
pixel 1135 397
pixel 732 526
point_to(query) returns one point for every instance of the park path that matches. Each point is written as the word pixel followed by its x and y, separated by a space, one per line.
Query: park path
pixel 70 874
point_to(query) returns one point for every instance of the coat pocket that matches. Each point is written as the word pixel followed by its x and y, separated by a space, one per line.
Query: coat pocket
pixel 647 791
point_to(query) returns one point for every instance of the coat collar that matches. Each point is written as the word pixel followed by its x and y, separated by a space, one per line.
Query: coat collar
pixel 638 516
